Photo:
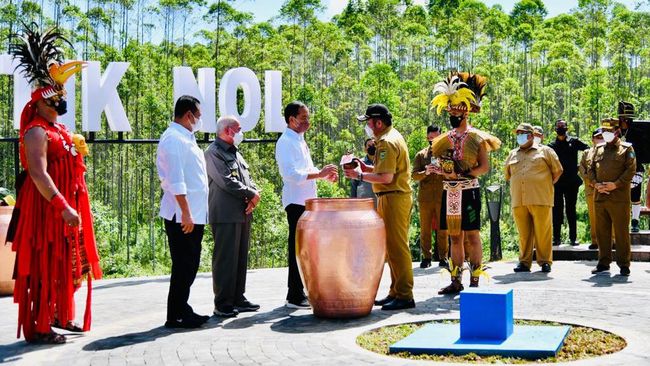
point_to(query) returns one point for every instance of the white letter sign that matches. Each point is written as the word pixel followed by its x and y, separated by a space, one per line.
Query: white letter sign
pixel 203 90
pixel 230 82
pixel 99 93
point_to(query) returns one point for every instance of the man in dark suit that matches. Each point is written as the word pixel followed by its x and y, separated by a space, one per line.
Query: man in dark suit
pixel 232 198
pixel 566 188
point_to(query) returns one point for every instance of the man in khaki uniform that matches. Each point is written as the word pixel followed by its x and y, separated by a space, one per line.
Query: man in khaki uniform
pixel 538 135
pixel 583 170
pixel 429 200
pixel 532 169
pixel 611 172
pixel 390 182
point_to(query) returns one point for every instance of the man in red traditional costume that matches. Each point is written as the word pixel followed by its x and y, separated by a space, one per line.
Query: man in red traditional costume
pixel 52 225
pixel 463 152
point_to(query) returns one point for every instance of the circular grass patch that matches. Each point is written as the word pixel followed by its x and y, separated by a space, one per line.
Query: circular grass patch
pixel 581 342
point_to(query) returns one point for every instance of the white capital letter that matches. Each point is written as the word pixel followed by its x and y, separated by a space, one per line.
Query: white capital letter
pixel 274 120
pixel 230 82
pixel 99 93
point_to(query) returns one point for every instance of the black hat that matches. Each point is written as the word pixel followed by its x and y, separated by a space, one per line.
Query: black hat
pixel 598 131
pixel 432 128
pixel 626 109
pixel 375 111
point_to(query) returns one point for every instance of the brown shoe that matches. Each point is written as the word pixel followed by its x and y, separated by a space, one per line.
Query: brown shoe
pixel 455 287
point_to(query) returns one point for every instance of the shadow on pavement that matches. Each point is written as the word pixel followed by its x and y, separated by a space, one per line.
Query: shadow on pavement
pixel 150 335
pixel 522 277
pixel 607 280
pixel 12 352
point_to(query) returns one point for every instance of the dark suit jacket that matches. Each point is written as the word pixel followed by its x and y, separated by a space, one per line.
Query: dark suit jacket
pixel 230 183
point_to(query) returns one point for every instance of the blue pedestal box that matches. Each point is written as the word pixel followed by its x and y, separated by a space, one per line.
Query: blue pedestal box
pixel 486 314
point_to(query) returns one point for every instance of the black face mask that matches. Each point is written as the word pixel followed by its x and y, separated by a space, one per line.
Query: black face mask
pixel 372 150
pixel 455 121
pixel 430 142
pixel 560 131
pixel 61 107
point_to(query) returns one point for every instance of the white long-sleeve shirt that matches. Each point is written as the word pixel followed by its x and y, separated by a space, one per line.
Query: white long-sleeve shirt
pixel 294 162
pixel 182 170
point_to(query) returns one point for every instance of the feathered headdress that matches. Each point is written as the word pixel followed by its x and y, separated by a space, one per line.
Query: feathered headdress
pixel 461 91
pixel 41 61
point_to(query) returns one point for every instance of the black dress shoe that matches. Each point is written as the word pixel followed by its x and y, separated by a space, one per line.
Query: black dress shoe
pixel 521 268
pixel 599 269
pixel 443 263
pixel 625 271
pixel 426 263
pixel 635 226
pixel 298 304
pixel 546 267
pixel 384 301
pixel 200 318
pixel 593 246
pixel 556 243
pixel 226 311
pixel 244 306
pixel 574 243
pixel 399 304
pixel 187 323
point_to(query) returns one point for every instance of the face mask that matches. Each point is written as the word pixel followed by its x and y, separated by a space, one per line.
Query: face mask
pixel 560 131
pixel 455 121
pixel 522 138
pixel 238 138
pixel 608 136
pixel 369 132
pixel 61 107
pixel 430 142
pixel 196 126
pixel 372 150
pixel 537 140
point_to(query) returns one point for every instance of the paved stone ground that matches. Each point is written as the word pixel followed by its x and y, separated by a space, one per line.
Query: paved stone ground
pixel 129 313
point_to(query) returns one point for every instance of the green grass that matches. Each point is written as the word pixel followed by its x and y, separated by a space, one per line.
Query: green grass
pixel 582 342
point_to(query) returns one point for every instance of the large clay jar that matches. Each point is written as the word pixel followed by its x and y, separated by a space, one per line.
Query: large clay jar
pixel 7 256
pixel 341 249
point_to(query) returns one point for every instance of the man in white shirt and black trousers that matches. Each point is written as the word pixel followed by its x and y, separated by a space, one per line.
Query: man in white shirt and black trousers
pixel 184 207
pixel 298 184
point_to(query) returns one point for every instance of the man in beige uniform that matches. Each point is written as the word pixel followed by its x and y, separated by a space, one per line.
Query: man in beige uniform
pixel 429 200
pixel 532 169
pixel 611 172
pixel 390 182
pixel 583 170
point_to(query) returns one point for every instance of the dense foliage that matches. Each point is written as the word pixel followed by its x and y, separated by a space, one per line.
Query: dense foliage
pixel 574 66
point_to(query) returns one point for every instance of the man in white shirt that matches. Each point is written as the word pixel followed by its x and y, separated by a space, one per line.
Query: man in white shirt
pixel 184 207
pixel 299 184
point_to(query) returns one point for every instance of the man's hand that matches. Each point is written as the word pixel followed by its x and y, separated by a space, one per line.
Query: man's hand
pixel 429 169
pixel 253 203
pixel 187 223
pixel 352 173
pixel 450 176
pixel 364 168
pixel 329 172
pixel 70 216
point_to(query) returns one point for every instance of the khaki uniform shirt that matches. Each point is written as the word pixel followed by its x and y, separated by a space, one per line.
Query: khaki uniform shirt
pixel 430 185
pixel 615 162
pixel 583 169
pixel 530 173
pixel 392 156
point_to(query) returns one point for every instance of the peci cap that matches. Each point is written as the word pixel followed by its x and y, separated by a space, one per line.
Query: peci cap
pixel 525 127
pixel 375 111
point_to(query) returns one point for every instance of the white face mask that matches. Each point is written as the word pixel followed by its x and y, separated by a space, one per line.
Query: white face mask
pixel 522 138
pixel 537 140
pixel 369 131
pixel 196 126
pixel 238 138
pixel 608 136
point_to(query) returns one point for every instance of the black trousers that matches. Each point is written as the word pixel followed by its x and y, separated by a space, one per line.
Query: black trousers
pixel 230 261
pixel 296 290
pixel 185 250
pixel 565 200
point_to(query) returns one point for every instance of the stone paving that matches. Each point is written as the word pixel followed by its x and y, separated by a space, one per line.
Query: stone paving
pixel 129 313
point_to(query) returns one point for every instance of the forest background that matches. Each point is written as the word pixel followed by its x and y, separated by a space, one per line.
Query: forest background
pixel 574 66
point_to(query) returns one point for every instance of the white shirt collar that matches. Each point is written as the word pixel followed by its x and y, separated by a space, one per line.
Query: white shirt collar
pixel 295 135
pixel 178 127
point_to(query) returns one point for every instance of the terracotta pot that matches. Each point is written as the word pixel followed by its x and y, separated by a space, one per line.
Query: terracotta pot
pixel 341 249
pixel 7 256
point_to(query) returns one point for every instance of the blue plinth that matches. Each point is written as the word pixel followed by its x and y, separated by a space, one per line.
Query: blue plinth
pixel 486 315
pixel 529 342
